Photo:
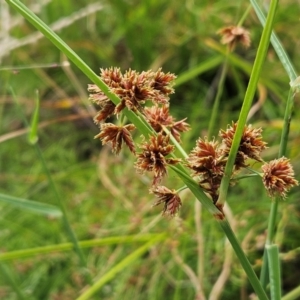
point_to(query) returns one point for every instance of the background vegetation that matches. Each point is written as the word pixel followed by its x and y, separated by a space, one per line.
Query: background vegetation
pixel 102 194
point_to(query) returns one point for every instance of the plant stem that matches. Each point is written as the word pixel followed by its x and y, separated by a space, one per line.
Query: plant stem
pixel 213 118
pixel 257 66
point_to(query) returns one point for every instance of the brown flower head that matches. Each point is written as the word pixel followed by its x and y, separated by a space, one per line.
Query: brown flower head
pixel 162 83
pixel 153 157
pixel 99 98
pixel 205 160
pixel 251 144
pixel 159 116
pixel 278 177
pixel 170 199
pixel 116 135
pixel 134 90
pixel 232 35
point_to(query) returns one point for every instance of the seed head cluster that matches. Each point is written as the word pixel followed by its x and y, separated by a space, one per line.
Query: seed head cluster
pixel 153 155
pixel 278 177
pixel 207 160
pixel 232 35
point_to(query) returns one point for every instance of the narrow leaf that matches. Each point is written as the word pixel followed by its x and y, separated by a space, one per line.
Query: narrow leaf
pixel 32 206
pixel 33 130
pixel 274 270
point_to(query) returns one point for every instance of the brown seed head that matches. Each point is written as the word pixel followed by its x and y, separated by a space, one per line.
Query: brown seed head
pixel 278 177
pixel 251 144
pixel 159 116
pixel 205 158
pixel 133 89
pixel 153 157
pixel 162 83
pixel 99 98
pixel 116 135
pixel 170 198
pixel 232 35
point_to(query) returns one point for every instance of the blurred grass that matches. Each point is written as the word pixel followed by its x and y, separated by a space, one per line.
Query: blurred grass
pixel 102 193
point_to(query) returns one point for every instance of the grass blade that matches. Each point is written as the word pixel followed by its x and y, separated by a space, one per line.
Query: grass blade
pixel 274 270
pixel 276 44
pixel 33 130
pixel 130 259
pixel 199 69
pixel 32 206
pixel 113 240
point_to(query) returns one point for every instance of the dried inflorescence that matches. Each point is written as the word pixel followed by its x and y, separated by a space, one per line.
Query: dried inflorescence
pixel 278 177
pixel 133 88
pixel 153 157
pixel 208 163
pixel 251 144
pixel 232 35
pixel 207 160
pixel 116 135
pixel 169 198
pixel 159 117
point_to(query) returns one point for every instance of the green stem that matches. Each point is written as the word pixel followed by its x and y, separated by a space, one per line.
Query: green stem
pixel 293 295
pixel 255 74
pixel 243 260
pixel 215 110
pixel 25 253
pixel 275 279
pixel 8 276
pixel 130 259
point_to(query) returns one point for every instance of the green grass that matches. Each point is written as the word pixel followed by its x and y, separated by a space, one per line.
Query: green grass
pixel 102 194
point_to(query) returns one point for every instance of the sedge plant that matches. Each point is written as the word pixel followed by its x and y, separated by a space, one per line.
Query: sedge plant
pixel 140 101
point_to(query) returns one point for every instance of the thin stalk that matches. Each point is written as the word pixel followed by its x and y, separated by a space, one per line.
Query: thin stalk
pixel 255 74
pixel 32 252
pixel 292 295
pixel 275 279
pixel 274 205
pixel 244 16
pixel 129 259
pixel 8 276
pixel 260 292
pixel 215 110
pixel 282 55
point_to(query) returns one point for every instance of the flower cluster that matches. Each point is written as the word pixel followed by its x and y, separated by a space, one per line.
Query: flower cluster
pixel 207 160
pixel 134 89
pixel 278 177
pixel 159 117
pixel 232 35
pixel 251 144
pixel 154 157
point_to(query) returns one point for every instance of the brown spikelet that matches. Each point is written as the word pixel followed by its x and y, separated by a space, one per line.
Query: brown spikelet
pixel 278 177
pixel 232 35
pixel 116 135
pixel 159 116
pixel 153 157
pixel 205 160
pixel 169 198
pixel 251 144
